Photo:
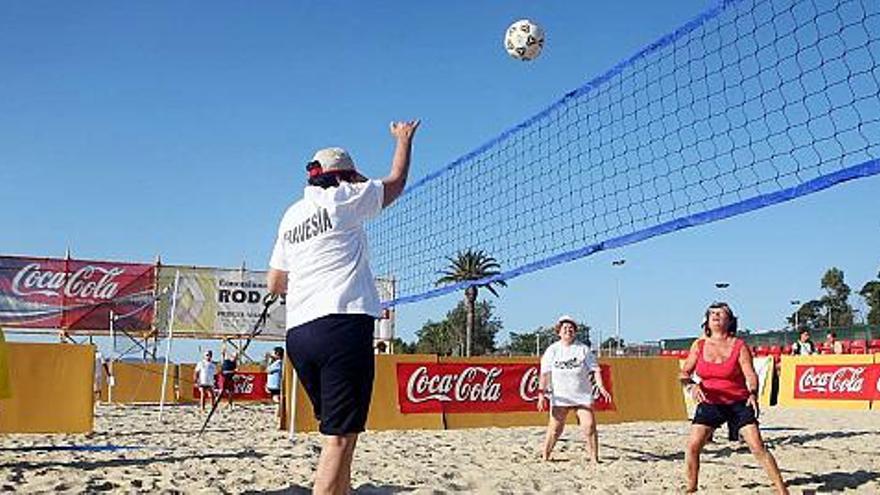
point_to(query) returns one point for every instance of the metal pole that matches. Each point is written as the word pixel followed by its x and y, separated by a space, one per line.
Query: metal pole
pixel 168 347
pixel 617 343
pixel 538 343
pixel 110 380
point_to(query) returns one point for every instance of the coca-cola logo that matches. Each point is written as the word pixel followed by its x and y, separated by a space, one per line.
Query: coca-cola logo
pixel 472 384
pixel 841 380
pixel 244 384
pixel 88 282
pixel 528 385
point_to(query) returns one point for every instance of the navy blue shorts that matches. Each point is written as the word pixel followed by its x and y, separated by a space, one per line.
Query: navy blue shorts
pixel 738 414
pixel 333 358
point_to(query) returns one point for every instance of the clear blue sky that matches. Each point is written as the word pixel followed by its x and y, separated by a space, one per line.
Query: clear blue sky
pixel 135 129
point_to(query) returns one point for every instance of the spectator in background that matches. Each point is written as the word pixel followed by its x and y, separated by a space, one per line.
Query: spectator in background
pixel 203 376
pixel 832 343
pixel 273 377
pixel 227 373
pixel 804 346
pixel 102 370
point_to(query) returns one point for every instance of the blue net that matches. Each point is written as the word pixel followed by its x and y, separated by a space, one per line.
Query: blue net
pixel 752 103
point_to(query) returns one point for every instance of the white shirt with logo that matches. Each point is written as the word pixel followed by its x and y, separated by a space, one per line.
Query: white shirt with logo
pixel 322 246
pixel 206 371
pixel 570 367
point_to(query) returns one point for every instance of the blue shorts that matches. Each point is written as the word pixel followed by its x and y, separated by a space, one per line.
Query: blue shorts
pixel 333 358
pixel 738 414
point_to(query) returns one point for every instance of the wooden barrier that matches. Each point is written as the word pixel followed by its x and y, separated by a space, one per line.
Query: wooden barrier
pixel 644 389
pixel 141 383
pixel 51 389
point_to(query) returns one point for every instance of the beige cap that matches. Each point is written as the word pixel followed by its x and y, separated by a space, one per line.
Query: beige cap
pixel 336 160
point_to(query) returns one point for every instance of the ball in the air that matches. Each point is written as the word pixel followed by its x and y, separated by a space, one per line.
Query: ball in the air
pixel 524 40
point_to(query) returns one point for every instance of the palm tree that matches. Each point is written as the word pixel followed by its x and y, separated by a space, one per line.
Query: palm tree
pixel 471 265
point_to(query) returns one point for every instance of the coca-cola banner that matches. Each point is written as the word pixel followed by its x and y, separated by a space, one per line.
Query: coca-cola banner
pixel 475 387
pixel 214 301
pixel 75 294
pixel 248 385
pixel 837 382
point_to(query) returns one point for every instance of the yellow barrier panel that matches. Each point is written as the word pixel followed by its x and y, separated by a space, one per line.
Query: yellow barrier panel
pixel 51 389
pixel 645 389
pixel 185 383
pixel 141 383
pixel 384 409
pixel 787 381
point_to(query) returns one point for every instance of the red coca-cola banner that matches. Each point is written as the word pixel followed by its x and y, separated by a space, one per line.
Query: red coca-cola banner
pixel 475 387
pixel 837 382
pixel 248 385
pixel 75 294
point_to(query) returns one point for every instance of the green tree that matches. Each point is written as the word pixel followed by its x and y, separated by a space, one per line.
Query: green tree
pixel 871 292
pixel 612 343
pixel 526 344
pixel 402 347
pixel 436 338
pixel 809 316
pixel 466 266
pixel 485 328
pixel 837 309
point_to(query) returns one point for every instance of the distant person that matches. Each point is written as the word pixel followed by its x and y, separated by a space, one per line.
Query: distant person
pixel 568 371
pixel 228 366
pixel 381 347
pixel 273 377
pixel 102 372
pixel 203 376
pixel 804 346
pixel 833 344
pixel 728 391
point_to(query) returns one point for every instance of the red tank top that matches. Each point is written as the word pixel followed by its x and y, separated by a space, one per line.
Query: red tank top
pixel 723 383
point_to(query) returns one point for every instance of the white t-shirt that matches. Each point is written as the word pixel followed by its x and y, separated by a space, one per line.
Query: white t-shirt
pixel 99 370
pixel 322 246
pixel 206 371
pixel 570 367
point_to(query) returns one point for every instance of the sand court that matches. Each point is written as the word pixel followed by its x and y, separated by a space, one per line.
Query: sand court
pixel 244 452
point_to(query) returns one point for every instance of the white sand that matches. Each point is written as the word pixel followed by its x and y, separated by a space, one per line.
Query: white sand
pixel 242 451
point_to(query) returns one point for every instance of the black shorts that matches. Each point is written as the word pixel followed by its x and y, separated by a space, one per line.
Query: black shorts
pixel 738 414
pixel 333 357
pixel 274 391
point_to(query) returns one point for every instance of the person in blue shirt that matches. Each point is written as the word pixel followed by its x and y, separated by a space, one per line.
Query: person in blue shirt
pixel 273 377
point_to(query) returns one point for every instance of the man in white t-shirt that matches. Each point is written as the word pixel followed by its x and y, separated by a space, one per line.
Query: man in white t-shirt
pixel 568 371
pixel 203 376
pixel 102 370
pixel 320 262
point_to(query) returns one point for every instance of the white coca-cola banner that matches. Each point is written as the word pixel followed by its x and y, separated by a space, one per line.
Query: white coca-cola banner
pixel 75 294
pixel 474 387
pixel 837 382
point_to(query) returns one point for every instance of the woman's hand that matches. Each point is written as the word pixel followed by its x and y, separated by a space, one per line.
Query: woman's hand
pixel 696 393
pixel 404 130
pixel 604 395
pixel 542 402
pixel 753 402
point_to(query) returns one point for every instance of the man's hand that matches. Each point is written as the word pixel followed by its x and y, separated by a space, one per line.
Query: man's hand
pixel 404 131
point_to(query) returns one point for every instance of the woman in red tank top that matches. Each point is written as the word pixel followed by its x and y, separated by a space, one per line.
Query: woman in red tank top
pixel 726 393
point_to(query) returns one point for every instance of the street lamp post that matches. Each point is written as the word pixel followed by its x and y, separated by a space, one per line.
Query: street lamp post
pixel 797 311
pixel 618 263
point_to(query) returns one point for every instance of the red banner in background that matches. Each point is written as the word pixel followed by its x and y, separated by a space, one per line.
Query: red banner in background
pixel 249 385
pixel 75 294
pixel 475 387
pixel 837 382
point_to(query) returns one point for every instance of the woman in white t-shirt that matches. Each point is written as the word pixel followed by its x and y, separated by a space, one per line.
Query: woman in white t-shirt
pixel 568 371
